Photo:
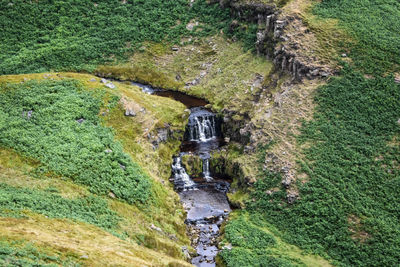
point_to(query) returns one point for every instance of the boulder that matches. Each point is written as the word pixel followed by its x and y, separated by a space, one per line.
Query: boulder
pixel 130 113
pixel 110 85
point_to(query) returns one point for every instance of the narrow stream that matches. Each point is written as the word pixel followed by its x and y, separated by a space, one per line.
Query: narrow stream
pixel 204 198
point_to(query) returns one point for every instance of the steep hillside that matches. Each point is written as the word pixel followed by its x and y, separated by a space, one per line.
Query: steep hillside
pixel 309 94
pixel 68 179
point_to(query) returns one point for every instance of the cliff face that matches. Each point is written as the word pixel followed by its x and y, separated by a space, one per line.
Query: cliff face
pixel 283 37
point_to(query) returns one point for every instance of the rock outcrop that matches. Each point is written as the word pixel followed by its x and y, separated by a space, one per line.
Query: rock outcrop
pixel 276 42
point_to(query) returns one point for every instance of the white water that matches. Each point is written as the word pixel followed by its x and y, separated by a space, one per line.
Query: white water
pixel 180 175
pixel 206 170
pixel 201 125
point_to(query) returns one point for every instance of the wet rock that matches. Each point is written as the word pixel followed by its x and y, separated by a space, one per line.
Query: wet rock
pixel 130 113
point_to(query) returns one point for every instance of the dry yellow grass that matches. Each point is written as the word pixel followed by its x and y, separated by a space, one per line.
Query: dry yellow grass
pixel 97 247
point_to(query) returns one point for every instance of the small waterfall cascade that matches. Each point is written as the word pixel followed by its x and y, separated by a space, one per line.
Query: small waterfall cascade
pixel 206 170
pixel 181 178
pixel 202 125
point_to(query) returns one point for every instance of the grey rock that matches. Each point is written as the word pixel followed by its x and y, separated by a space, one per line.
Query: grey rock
pixel 143 110
pixel 122 166
pixel 92 80
pixel 108 150
pixel 158 229
pixel 314 72
pixel 80 120
pixel 84 257
pixel 162 135
pixel 324 74
pixel 104 80
pixel 110 85
pixel 344 55
pixel 249 149
pixel 29 115
pixel 286 181
pixel 130 113
pixel 291 198
pixel 174 48
pixel 186 253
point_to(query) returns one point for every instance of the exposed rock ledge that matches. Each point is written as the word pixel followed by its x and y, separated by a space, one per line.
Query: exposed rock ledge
pixel 276 42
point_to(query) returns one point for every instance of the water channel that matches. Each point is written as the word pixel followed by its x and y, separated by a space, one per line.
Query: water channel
pixel 204 197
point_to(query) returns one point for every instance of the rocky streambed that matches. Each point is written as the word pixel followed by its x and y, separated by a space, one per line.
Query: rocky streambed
pixel 204 196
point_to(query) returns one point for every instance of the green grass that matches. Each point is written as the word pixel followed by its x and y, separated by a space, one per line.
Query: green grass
pixel 91 209
pixel 78 35
pixel 348 208
pixel 374 24
pixel 85 152
pixel 254 244
pixel 252 237
pixel 19 253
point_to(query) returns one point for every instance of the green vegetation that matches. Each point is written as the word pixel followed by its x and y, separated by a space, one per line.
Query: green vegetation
pixel 255 243
pixel 84 151
pixel 91 209
pixel 252 237
pixel 348 181
pixel 64 35
pixel 19 253
pixel 348 207
pixel 374 24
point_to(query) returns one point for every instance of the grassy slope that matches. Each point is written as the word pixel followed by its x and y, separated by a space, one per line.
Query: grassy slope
pixel 77 35
pixel 349 153
pixel 224 71
pixel 129 240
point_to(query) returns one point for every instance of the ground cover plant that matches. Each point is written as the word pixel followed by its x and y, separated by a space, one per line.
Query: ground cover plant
pixel 48 35
pixel 374 24
pixel 57 123
pixel 348 209
pixel 91 209
pixel 19 253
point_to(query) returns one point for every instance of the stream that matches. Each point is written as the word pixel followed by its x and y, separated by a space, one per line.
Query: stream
pixel 204 197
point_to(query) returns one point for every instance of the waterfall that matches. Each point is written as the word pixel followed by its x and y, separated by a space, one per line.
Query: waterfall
pixel 181 178
pixel 202 125
pixel 206 170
